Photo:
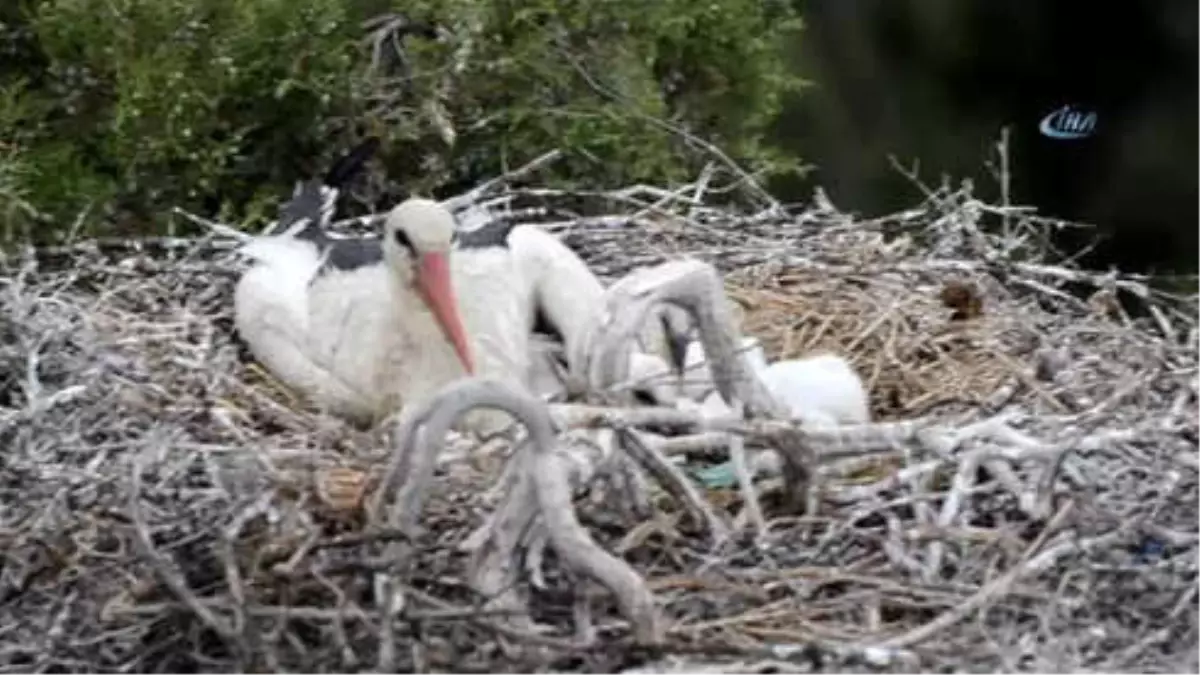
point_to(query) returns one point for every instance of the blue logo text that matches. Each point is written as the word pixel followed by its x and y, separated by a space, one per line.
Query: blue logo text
pixel 1068 123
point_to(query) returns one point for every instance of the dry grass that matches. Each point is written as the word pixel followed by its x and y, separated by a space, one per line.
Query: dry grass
pixel 165 507
pixel 902 340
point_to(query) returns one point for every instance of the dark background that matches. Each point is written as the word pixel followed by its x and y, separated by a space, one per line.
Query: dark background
pixel 935 80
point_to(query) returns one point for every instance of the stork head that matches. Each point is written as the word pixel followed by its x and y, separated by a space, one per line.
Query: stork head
pixel 417 238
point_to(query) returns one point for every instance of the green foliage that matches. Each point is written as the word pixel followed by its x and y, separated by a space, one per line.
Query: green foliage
pixel 178 101
pixel 134 106
pixel 586 77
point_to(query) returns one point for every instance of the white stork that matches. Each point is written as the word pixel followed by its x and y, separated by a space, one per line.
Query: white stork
pixel 359 326
pixel 365 325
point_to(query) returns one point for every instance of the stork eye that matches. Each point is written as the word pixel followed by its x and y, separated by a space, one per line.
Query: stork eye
pixel 402 239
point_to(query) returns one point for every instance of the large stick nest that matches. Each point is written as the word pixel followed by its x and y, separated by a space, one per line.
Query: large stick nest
pixel 168 507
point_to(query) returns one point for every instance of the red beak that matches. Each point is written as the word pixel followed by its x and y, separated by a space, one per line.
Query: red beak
pixel 433 282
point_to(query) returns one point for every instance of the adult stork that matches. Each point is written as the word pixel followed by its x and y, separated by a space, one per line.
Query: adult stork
pixel 363 326
pixel 358 325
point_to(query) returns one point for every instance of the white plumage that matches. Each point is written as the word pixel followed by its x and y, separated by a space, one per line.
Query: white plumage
pixel 533 280
pixel 819 390
pixel 359 342
pixel 507 288
pixel 364 326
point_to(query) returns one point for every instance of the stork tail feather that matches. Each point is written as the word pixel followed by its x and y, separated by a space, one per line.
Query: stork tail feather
pixel 311 207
